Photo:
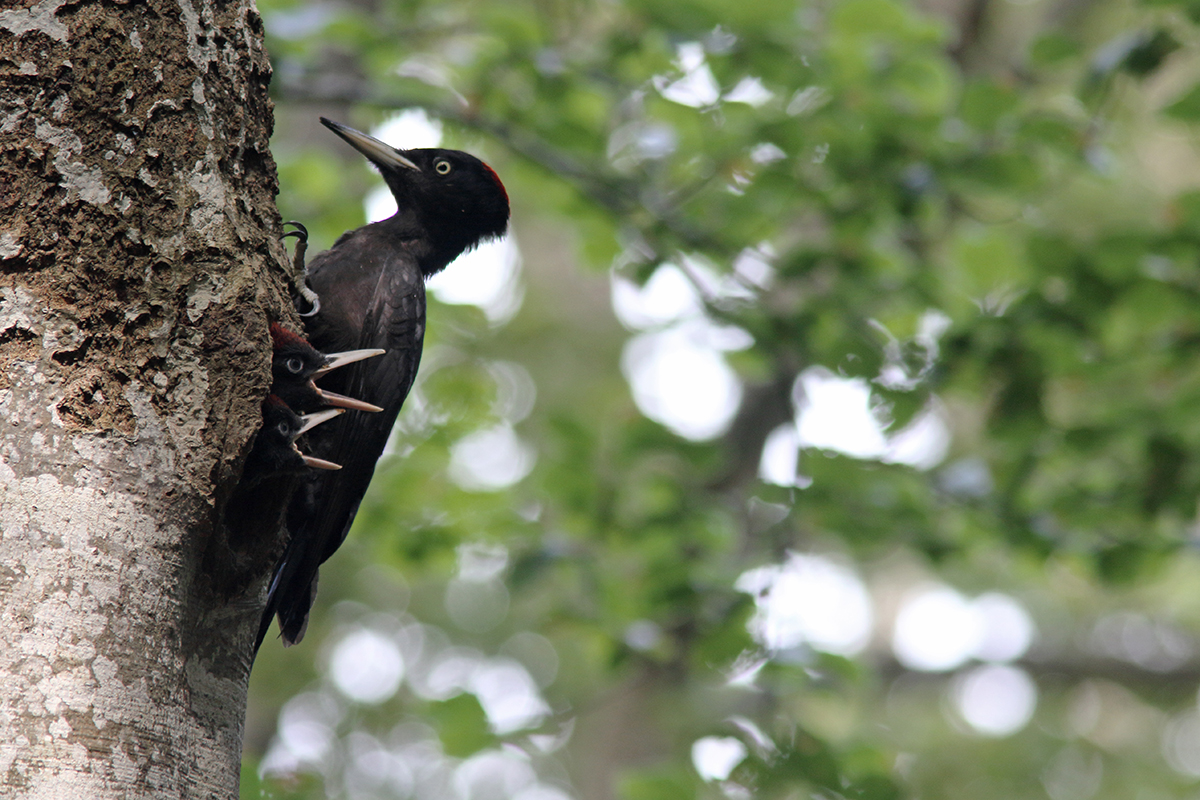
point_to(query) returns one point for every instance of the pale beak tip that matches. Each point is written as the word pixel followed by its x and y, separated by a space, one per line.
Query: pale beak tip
pixel 310 421
pixel 341 401
pixel 320 463
pixel 339 360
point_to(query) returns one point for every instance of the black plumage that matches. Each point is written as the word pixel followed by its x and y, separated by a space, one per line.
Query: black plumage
pixel 371 291
pixel 255 511
pixel 274 453
pixel 296 364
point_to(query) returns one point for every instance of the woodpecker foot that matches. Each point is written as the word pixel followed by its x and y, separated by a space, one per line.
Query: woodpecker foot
pixel 310 297
pixel 300 233
pixel 301 237
pixel 300 271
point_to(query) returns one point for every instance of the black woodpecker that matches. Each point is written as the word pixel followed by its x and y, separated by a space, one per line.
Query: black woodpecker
pixel 275 453
pixel 295 366
pixel 256 509
pixel 370 293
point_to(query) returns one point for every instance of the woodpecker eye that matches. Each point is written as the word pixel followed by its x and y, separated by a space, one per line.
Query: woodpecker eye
pixel 284 429
pixel 295 366
pixel 442 166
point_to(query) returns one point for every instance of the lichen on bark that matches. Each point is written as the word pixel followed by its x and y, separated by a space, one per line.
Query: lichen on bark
pixel 139 264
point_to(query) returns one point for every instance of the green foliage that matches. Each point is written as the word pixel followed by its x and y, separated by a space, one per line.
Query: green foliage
pixel 461 725
pixel 995 228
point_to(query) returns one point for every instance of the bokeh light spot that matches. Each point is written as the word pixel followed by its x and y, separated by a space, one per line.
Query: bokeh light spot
pixel 668 296
pixel 809 600
pixel 937 629
pixel 683 384
pixel 490 459
pixel 476 606
pixel 996 700
pixel 714 757
pixel 508 695
pixel 1181 744
pixel 835 414
pixel 1007 629
pixel 367 667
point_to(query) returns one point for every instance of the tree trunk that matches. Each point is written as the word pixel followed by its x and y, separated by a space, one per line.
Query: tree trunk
pixel 139 263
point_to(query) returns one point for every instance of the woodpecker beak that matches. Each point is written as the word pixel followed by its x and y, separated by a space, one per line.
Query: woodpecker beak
pixel 349 357
pixel 380 154
pixel 311 421
pixel 341 401
pixel 314 462
pixel 319 463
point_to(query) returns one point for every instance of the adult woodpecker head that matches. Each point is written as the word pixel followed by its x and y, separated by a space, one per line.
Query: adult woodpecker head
pixel 296 364
pixel 457 200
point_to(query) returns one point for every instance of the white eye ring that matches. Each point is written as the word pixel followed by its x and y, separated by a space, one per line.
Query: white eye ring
pixel 442 166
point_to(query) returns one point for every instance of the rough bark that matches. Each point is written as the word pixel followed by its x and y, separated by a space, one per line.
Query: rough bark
pixel 138 267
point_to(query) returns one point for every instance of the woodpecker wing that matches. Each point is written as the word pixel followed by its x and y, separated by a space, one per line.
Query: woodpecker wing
pixel 366 269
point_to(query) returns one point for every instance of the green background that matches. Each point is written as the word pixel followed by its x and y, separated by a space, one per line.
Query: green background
pixel 1027 170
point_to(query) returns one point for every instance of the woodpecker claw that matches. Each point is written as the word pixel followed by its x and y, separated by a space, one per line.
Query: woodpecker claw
pixel 300 268
pixel 300 233
pixel 298 262
pixel 337 360
pixel 311 296
pixel 341 401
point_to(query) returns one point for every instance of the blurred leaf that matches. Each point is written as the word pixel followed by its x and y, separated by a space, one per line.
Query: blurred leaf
pixel 656 785
pixel 1150 52
pixel 461 724
pixel 985 103
pixel 1053 48
pixel 1187 107
pixel 993 223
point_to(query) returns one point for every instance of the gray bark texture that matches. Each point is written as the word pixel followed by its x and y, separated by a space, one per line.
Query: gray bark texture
pixel 139 265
